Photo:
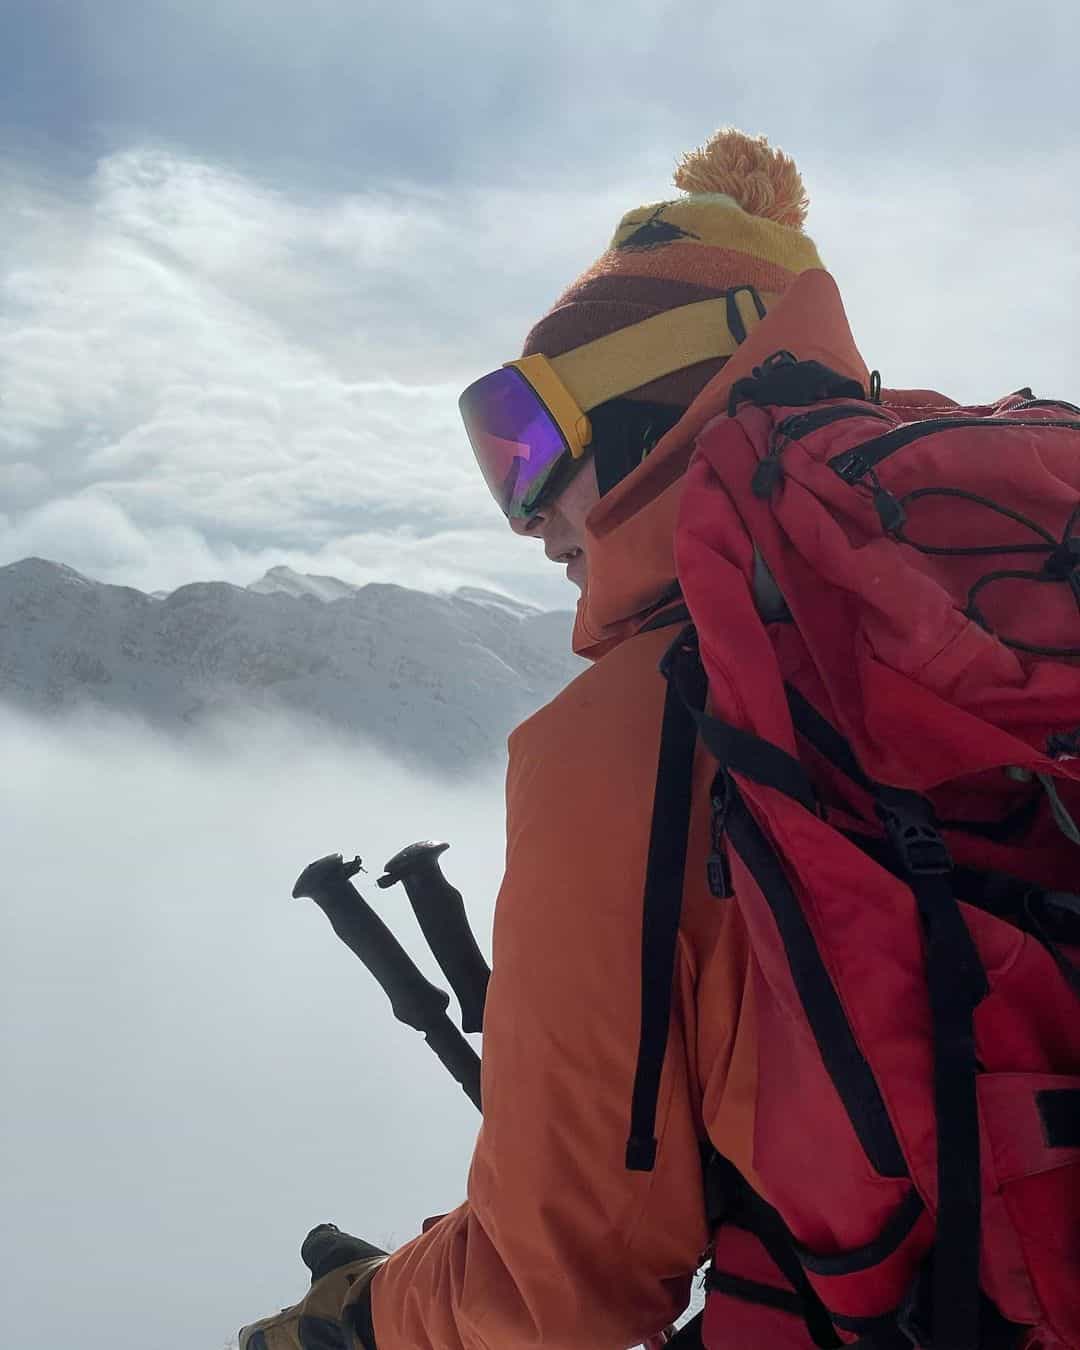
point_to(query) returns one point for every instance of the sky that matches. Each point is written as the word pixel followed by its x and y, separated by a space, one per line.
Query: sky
pixel 250 253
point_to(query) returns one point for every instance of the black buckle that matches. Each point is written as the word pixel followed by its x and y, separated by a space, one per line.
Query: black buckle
pixel 911 825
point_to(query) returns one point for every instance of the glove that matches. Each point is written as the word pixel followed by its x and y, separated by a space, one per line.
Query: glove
pixel 341 1266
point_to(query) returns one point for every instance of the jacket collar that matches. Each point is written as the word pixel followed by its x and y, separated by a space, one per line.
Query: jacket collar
pixel 630 534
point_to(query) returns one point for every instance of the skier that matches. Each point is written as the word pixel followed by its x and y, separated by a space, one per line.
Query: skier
pixel 650 1097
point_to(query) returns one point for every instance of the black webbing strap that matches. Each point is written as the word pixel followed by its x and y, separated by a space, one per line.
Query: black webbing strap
pixel 875 1333
pixel 666 619
pixel 744 1208
pixel 824 737
pixel 1039 908
pixel 1051 916
pixel 830 744
pixel 957 984
pixel 668 608
pixel 662 908
pixel 737 750
pixel 755 758
pixel 900 1329
pixel 754 1291
pixel 769 1228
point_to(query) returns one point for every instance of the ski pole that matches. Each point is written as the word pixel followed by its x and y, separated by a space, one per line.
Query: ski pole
pixel 414 1000
pixel 440 911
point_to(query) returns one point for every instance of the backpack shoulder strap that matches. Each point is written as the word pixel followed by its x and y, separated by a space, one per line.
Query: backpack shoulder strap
pixel 662 910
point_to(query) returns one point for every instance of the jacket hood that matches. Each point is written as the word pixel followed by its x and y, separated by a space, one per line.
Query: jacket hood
pixel 630 533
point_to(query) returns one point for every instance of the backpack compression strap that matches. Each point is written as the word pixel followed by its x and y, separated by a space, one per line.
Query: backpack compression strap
pixel 957 984
pixel 956 980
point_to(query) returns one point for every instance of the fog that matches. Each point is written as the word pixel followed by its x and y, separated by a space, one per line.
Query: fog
pixel 195 1070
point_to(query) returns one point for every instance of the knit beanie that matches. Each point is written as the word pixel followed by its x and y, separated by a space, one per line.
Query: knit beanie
pixel 738 223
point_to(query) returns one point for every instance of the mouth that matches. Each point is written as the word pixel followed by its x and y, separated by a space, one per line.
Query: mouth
pixel 567 556
pixel 575 568
pixel 573 559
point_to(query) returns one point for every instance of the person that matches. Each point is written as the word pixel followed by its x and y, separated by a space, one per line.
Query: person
pixel 583 442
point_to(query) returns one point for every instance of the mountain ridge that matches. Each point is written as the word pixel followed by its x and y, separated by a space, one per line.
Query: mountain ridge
pixel 439 679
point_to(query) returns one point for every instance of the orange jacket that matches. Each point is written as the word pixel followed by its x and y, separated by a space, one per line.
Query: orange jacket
pixel 558 1244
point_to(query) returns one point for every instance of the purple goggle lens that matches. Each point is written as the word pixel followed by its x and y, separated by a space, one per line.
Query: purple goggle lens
pixel 517 442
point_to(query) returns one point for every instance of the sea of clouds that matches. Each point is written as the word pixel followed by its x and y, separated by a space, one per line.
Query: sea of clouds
pixel 196 1070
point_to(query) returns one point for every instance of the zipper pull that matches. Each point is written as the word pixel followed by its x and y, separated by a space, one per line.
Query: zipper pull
pixel 890 511
pixel 767 476
pixel 718 868
pixel 1060 812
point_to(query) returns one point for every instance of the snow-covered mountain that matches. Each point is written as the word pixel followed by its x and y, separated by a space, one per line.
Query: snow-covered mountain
pixel 284 581
pixel 436 678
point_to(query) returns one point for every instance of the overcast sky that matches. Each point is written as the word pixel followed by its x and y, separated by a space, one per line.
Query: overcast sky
pixel 250 252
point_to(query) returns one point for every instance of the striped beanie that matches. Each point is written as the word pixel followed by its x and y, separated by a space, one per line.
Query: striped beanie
pixel 738 223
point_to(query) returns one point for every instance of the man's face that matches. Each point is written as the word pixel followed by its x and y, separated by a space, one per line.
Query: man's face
pixel 560 523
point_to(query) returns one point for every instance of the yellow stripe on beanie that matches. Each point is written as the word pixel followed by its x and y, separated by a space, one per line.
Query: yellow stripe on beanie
pixel 641 352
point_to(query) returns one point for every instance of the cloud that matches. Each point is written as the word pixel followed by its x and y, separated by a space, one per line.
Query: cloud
pixel 107 545
pixel 246 263
pixel 355 93
pixel 206 368
pixel 236 373
pixel 196 1070
pixel 967 287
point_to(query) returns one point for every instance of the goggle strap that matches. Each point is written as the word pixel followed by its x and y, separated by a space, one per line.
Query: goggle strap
pixel 647 351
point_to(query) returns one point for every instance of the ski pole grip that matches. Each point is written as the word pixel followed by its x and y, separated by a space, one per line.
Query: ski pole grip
pixel 415 1001
pixel 440 911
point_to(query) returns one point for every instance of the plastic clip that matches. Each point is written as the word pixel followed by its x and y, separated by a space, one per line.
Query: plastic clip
pixel 911 825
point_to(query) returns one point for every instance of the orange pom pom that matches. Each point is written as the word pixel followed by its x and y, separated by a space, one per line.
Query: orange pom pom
pixel 764 181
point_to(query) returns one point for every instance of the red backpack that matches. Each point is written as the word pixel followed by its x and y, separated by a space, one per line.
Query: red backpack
pixel 884 661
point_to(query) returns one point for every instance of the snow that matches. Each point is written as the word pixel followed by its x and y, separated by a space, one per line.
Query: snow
pixel 517 609
pixel 284 581
pixel 438 680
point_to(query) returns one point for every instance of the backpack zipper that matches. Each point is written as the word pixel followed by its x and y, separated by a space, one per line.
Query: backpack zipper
pixel 770 470
pixel 852 465
pixel 801 424
pixel 1046 403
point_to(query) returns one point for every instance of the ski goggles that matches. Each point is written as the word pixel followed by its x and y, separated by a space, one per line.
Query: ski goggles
pixel 528 422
